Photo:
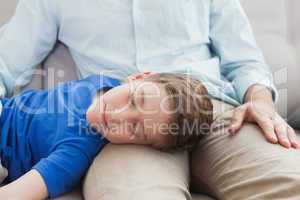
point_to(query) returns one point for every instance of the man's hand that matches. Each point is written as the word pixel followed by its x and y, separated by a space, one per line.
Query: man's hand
pixel 259 108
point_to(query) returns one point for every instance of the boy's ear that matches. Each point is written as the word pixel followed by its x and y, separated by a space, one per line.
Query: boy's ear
pixel 139 76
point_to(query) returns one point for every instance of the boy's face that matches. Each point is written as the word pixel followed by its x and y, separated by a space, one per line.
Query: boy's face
pixel 137 112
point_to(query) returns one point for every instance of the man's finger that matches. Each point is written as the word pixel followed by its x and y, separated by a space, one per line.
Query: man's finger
pixel 237 119
pixel 293 137
pixel 282 134
pixel 267 126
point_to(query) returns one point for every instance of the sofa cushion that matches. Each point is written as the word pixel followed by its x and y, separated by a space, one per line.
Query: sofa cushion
pixel 59 66
pixel 263 14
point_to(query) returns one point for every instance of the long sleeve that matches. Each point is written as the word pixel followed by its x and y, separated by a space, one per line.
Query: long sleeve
pixel 25 41
pixel 241 60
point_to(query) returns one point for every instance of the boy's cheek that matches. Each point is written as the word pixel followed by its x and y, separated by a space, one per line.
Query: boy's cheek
pixel 92 115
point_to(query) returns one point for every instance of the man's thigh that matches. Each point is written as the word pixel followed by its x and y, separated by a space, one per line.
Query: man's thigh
pixel 244 166
pixel 129 172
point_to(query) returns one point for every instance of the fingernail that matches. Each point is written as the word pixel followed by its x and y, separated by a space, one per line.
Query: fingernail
pixel 274 139
pixel 295 145
pixel 286 143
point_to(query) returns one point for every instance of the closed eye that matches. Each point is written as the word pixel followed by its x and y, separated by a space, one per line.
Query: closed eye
pixel 133 99
pixel 137 98
pixel 137 129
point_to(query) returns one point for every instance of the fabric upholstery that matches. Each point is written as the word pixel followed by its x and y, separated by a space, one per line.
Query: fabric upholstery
pixel 58 67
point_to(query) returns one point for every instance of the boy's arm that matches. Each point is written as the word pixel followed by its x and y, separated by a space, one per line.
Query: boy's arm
pixel 58 173
pixel 30 186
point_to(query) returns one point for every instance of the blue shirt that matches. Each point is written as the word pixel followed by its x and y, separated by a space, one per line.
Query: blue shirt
pixel 211 39
pixel 48 131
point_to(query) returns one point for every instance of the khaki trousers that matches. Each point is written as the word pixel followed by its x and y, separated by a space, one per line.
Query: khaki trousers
pixel 238 167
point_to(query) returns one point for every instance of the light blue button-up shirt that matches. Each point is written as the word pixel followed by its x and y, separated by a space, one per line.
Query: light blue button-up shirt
pixel 211 39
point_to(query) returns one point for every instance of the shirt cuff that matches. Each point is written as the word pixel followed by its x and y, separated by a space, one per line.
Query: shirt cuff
pixel 49 180
pixel 243 83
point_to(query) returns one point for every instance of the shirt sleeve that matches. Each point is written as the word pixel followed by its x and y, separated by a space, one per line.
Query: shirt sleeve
pixel 25 41
pixel 64 168
pixel 232 38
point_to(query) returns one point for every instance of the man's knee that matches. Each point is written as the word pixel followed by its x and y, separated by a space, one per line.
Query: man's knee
pixel 246 166
pixel 131 172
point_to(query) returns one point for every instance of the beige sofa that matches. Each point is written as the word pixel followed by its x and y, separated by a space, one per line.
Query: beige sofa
pixel 277 29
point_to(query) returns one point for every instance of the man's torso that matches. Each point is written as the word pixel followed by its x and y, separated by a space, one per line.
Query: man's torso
pixel 106 35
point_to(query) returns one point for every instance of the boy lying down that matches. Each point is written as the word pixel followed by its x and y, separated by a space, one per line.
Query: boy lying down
pixel 52 135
